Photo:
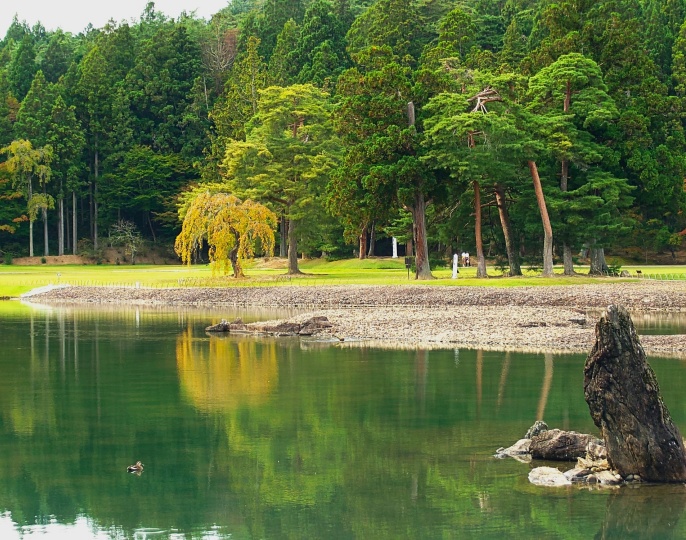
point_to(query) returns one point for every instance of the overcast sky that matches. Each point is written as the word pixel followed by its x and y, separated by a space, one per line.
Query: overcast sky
pixel 74 15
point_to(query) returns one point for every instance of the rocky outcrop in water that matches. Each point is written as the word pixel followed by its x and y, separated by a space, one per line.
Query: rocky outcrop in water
pixel 624 399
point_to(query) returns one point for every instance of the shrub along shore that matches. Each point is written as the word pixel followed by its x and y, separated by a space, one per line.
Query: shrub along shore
pixel 555 318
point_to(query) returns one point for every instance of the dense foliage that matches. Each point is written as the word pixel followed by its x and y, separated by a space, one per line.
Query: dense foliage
pixel 357 121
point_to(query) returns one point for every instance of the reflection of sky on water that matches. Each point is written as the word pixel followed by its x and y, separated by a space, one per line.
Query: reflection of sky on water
pixel 84 528
pixel 653 323
pixel 81 528
pixel 186 313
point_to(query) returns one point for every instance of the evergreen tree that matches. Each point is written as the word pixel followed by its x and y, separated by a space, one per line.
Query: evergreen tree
pixel 238 104
pixel 22 69
pixel 397 24
pixel 283 65
pixel 272 17
pixel 67 140
pixel 320 51
pixel 34 116
pixel 571 96
pixel 375 117
pixel 58 56
pixel 287 156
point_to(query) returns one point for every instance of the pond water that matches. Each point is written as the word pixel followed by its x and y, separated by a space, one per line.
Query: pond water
pixel 655 323
pixel 251 438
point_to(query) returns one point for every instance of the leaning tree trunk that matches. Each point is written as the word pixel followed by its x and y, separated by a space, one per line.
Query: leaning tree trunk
pixel 420 241
pixel 547 229
pixel 624 398
pixel 292 249
pixel 512 256
pixel 480 259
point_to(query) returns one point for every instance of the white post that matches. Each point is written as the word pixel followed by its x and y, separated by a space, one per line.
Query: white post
pixel 455 266
pixel 395 247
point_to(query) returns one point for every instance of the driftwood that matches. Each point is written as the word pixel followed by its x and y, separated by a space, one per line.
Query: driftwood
pixel 310 327
pixel 625 403
pixel 558 445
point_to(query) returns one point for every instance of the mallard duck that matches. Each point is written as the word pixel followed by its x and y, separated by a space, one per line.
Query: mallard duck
pixel 137 468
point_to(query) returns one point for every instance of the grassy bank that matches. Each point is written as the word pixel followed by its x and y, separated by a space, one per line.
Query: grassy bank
pixel 15 280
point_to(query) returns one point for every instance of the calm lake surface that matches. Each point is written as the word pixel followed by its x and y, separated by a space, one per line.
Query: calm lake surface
pixel 250 438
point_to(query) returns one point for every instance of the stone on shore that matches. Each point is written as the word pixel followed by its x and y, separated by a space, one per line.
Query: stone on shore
pixel 624 399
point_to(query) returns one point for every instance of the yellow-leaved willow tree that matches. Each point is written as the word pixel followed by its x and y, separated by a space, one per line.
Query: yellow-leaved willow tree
pixel 232 228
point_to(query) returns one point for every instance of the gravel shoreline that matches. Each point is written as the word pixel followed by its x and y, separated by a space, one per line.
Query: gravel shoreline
pixel 553 319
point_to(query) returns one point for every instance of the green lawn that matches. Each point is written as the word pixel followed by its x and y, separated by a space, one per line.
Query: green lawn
pixel 15 280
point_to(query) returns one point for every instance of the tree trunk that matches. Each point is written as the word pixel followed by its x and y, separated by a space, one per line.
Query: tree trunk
pixel 624 399
pixel 362 244
pixel 547 229
pixel 567 259
pixel 423 268
pixel 568 263
pixel 512 256
pixel 73 222
pixel 292 249
pixel 60 226
pixel 372 240
pixel 30 190
pixel 152 229
pixel 95 202
pixel 46 251
pixel 233 256
pixel 409 248
pixel 480 259
pixel 283 245
pixel 598 264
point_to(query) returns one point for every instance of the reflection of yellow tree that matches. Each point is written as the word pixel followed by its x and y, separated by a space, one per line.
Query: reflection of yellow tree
pixel 226 374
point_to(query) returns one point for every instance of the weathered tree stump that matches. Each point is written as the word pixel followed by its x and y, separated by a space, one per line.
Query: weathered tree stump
pixel 625 403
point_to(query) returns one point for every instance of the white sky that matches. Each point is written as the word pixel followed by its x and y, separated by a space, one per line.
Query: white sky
pixel 74 15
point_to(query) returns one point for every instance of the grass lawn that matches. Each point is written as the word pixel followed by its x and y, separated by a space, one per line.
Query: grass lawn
pixel 15 280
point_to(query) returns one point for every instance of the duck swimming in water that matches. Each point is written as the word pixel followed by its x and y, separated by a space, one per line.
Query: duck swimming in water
pixel 137 468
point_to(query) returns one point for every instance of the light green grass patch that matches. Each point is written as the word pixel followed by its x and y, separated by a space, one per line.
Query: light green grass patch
pixel 15 280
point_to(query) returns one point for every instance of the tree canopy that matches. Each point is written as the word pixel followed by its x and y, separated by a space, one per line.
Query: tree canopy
pixel 353 121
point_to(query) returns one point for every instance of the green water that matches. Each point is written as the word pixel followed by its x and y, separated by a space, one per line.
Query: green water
pixel 265 438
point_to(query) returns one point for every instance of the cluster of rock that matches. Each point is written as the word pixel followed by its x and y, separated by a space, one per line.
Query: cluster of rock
pixel 640 441
pixel 589 453
pixel 309 327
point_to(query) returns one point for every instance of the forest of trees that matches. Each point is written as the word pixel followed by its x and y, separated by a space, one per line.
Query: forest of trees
pixel 517 130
